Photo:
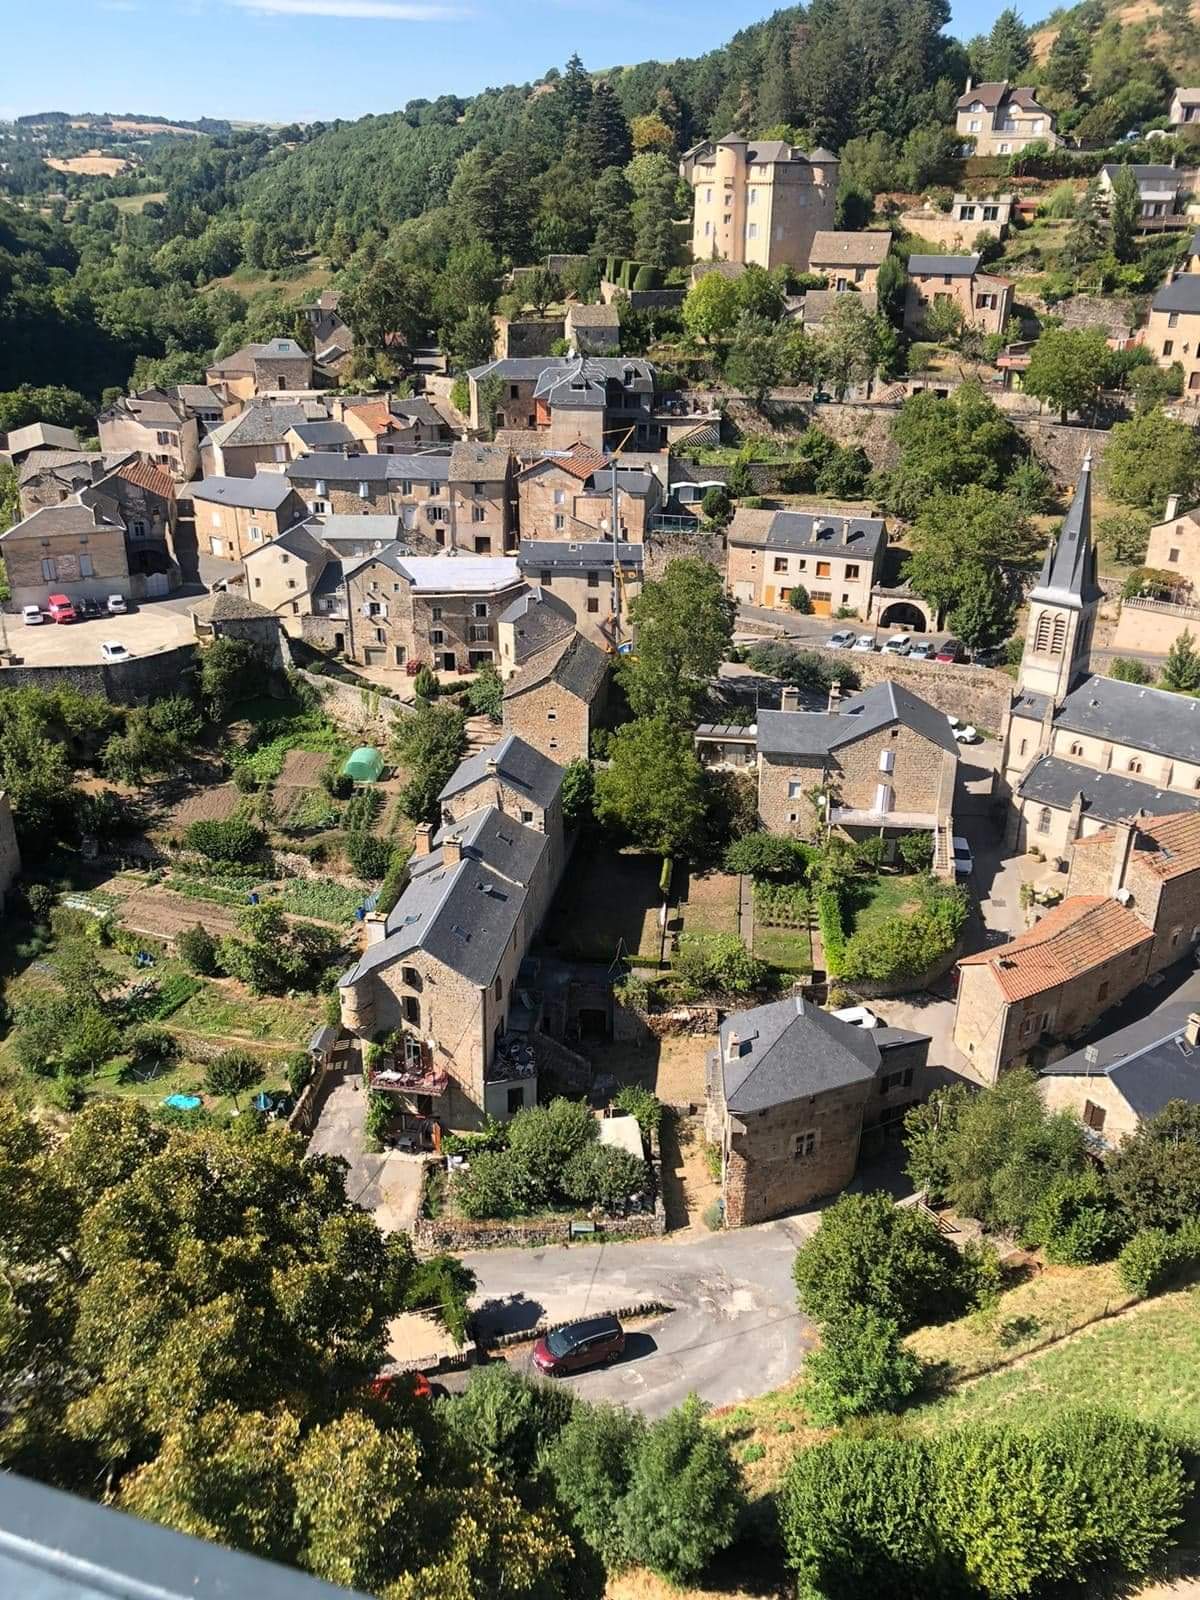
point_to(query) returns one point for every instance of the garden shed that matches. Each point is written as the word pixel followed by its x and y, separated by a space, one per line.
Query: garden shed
pixel 364 765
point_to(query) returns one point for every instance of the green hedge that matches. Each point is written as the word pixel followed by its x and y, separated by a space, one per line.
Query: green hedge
pixel 833 934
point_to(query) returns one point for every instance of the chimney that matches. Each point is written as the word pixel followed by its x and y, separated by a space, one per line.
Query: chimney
pixel 969 82
pixel 835 693
pixel 423 841
pixel 789 700
pixel 1191 1031
pixel 451 850
pixel 733 1047
pixel 1172 510
pixel 1126 832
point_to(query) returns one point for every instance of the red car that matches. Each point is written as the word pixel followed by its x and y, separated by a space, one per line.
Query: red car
pixel 60 609
pixel 952 651
pixel 579 1345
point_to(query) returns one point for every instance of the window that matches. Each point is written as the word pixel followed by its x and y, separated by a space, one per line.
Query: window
pixel 887 761
pixel 514 391
pixel 795 789
pixel 258 583
pixel 1093 1116
pixel 49 568
pixel 1043 821
pixel 985 302
pixel 593 580
pixel 708 197
pixel 478 513
pixel 1134 765
pixel 552 715
pixel 883 798
pixel 707 229
pixel 86 567
pixel 560 522
pixel 320 507
pixel 483 547
pixel 852 570
pixel 478 633
pixel 804 1145
pixel 1173 554
pixel 896 1080
pixel 411 977
pixel 255 534
pixel 1005 150
pixel 405 485
pixel 527 816
pixel 823 569
pixel 752 230
pixel 479 609
pixel 560 497
pixel 780 564
pixel 1173 319
pixel 436 514
pixel 1102 992
pixel 1168 346
pixel 974 125
pixel 435 613
pixel 727 219
pixel 593 605
pixel 544 577
pixel 990 213
pixel 216 519
pixel 162 437
pixel 437 636
pixel 412 1010
pixel 139 530
pixel 752 197
pixel 1024 745
pixel 1076 748
pixel 516 1099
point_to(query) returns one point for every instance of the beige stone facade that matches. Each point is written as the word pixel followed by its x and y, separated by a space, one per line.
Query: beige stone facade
pixel 554 700
pixel 572 500
pixel 439 611
pixel 759 202
pixel 580 578
pixel 960 228
pixel 76 550
pixel 276 366
pixel 836 556
pixel 1172 330
pixel 283 573
pixel 983 300
pixel 995 119
pixel 236 515
pixel 850 260
pixel 157 428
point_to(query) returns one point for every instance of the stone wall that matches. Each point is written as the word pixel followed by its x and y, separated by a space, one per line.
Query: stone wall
pixel 972 694
pixel 765 1177
pixel 123 682
pixel 662 549
pixel 353 708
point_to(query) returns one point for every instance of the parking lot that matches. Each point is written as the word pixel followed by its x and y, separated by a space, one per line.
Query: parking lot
pixel 144 630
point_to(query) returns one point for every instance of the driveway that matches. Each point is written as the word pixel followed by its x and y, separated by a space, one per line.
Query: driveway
pixel 148 628
pixel 387 1185
pixel 735 1331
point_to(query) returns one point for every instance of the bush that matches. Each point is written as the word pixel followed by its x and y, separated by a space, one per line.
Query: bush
pixel 861 1368
pixel 298 1069
pixel 197 949
pixel 642 1104
pixel 685 1495
pixel 544 1138
pixel 509 1421
pixel 720 964
pixel 591 1463
pixel 487 1188
pixel 151 1051
pixel 908 944
pixel 395 880
pixel 1150 1261
pixel 603 1176
pixel 870 1253
pixel 833 935
pixel 234 840
pixel 1155 1174
pixel 1075 1220
pixel 426 685
pixel 369 855
pixel 769 855
pixel 716 505
pixel 798 599
pixel 1126 670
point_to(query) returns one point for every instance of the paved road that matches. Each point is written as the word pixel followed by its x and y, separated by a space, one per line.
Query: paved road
pixel 735 1331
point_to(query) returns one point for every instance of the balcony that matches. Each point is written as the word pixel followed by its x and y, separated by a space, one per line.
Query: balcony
pixel 861 817
pixel 419 1075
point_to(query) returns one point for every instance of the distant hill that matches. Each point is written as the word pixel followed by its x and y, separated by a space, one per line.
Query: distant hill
pixel 123 122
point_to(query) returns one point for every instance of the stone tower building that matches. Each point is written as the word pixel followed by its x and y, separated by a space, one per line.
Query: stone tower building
pixel 759 202
pixel 1062 605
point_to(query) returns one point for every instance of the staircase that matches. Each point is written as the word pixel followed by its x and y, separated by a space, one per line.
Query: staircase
pixel 482 732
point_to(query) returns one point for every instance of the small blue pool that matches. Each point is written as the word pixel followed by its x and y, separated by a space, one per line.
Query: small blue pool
pixel 182 1102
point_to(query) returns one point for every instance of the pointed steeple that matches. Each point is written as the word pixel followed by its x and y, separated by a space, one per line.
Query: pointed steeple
pixel 1068 576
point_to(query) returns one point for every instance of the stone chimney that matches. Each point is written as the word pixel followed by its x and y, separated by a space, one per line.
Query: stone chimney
pixel 1172 510
pixel 789 700
pixel 1126 832
pixel 835 694
pixel 1191 1030
pixel 733 1047
pixel 423 840
pixel 451 850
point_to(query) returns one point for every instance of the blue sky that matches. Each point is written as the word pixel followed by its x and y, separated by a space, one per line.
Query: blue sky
pixel 287 60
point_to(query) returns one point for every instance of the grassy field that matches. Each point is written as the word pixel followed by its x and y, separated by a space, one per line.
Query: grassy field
pixel 883 899
pixel 135 203
pixel 789 948
pixel 297 280
pixel 711 905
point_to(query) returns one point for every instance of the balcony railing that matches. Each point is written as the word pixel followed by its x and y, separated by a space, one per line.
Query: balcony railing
pixel 412 1078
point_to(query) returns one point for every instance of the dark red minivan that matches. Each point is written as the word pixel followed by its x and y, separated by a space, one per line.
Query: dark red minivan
pixel 579 1345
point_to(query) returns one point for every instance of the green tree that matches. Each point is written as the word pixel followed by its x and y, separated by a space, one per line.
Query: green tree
pixel 1006 53
pixel 591 1463
pixel 1155 1174
pixel 469 341
pixel 1075 1220
pixel 683 623
pixel 685 1495
pixel 486 694
pixel 229 670
pixel 386 298
pixel 233 1073
pixel 1126 670
pixel 891 287
pixel 197 949
pixel 272 955
pixel 1068 368
pixel 1181 669
pixel 538 288
pixel 944 444
pixel 959 540
pixel 508 1421
pixel 612 199
pixel 603 136
pixel 578 788
pixel 1125 536
pixel 861 1368
pixel 720 964
pixel 711 308
pixel 653 787
pixel 984 609
pixel 1085 240
pixel 430 742
pixel 755 359
pixel 1124 212
pixel 850 347
pixel 1152 457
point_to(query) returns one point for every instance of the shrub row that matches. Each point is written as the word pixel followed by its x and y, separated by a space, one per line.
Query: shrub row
pixel 1154 1259
pixel 833 934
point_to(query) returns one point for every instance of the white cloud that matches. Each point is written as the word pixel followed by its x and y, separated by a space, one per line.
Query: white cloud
pixel 376 10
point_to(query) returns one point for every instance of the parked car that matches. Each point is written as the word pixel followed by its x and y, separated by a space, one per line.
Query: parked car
pixel 391 1386
pixel 898 645
pixel 61 610
pixel 31 616
pixel 864 644
pixel 110 650
pixel 951 650
pixel 858 1016
pixel 964 860
pixel 116 605
pixel 922 650
pixel 964 733
pixel 579 1345
pixel 841 640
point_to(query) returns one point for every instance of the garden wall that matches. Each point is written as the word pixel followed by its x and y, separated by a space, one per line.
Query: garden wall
pixel 866 989
pixel 352 707
pixel 663 548
pixel 123 682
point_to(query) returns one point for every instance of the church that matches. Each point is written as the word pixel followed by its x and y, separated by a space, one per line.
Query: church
pixel 1083 751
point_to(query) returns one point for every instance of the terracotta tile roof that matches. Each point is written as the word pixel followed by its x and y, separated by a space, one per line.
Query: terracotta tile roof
pixel 580 460
pixel 1168 845
pixel 1084 932
pixel 375 414
pixel 147 476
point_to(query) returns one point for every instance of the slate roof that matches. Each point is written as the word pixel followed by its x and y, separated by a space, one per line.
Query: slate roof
pixel 584 376
pixel 791 1049
pixel 510 848
pixel 538 620
pixel 1149 1062
pixel 601 316
pixel 332 529
pixel 1151 174
pixel 943 266
pixel 1068 575
pixel 630 480
pixel 199 396
pixel 262 422
pixel 266 491
pixel 485 463
pixel 223 606
pixel 39 436
pixel 431 468
pixel 152 410
pixel 1082 933
pixel 818 303
pixel 798 530
pixel 1153 720
pixel 551 555
pixel 320 435
pixel 1181 294
pixel 67 519
pixel 273 349
pixel 514 761
pixel 993 95
pixel 297 541
pixel 851 249
pixel 574 663
pixel 1108 796
pixel 797 733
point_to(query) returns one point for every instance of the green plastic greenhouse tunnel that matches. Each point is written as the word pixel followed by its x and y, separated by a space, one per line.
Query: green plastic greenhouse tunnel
pixel 363 765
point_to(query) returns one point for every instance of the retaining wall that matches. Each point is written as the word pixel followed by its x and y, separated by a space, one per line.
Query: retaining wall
pixel 123 682
pixel 355 708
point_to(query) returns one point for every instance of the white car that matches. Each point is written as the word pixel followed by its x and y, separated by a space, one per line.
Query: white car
pixel 116 605
pixel 110 650
pixel 922 650
pixel 841 640
pixel 31 616
pixel 898 645
pixel 964 733
pixel 858 1016
pixel 964 860
pixel 864 644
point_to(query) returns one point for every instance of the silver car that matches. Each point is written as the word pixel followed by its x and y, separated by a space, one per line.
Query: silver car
pixel 864 644
pixel 841 640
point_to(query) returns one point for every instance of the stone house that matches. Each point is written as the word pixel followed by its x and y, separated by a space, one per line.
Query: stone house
pixel 1185 108
pixel 235 515
pixel 17 445
pixel 525 335
pixel 210 404
pixel 74 549
pixel 480 485
pixel 758 201
pixel 580 577
pixel 145 497
pixel 443 977
pixel 995 119
pixel 553 701
pixel 816 305
pixel 309 438
pixel 386 425
pixel 458 499
pixel 264 368
pixel 960 228
pixel 351 537
pixel 793 1093
pixel 1151 625
pixel 836 557
pixel 850 260
pixel 48 477
pixel 596 399
pixel 391 609
pixel 518 781
pixel 259 436
pixel 983 300
pixel 1119 1082
pixel 284 573
pixel 1172 331
pixel 222 615
pixel 882 763
pixel 593 330
pixel 157 427
pixel 1159 187
pixel 569 496
pixel 532 623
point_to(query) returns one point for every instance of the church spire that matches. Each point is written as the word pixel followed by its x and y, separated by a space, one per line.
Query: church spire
pixel 1063 603
pixel 1068 576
